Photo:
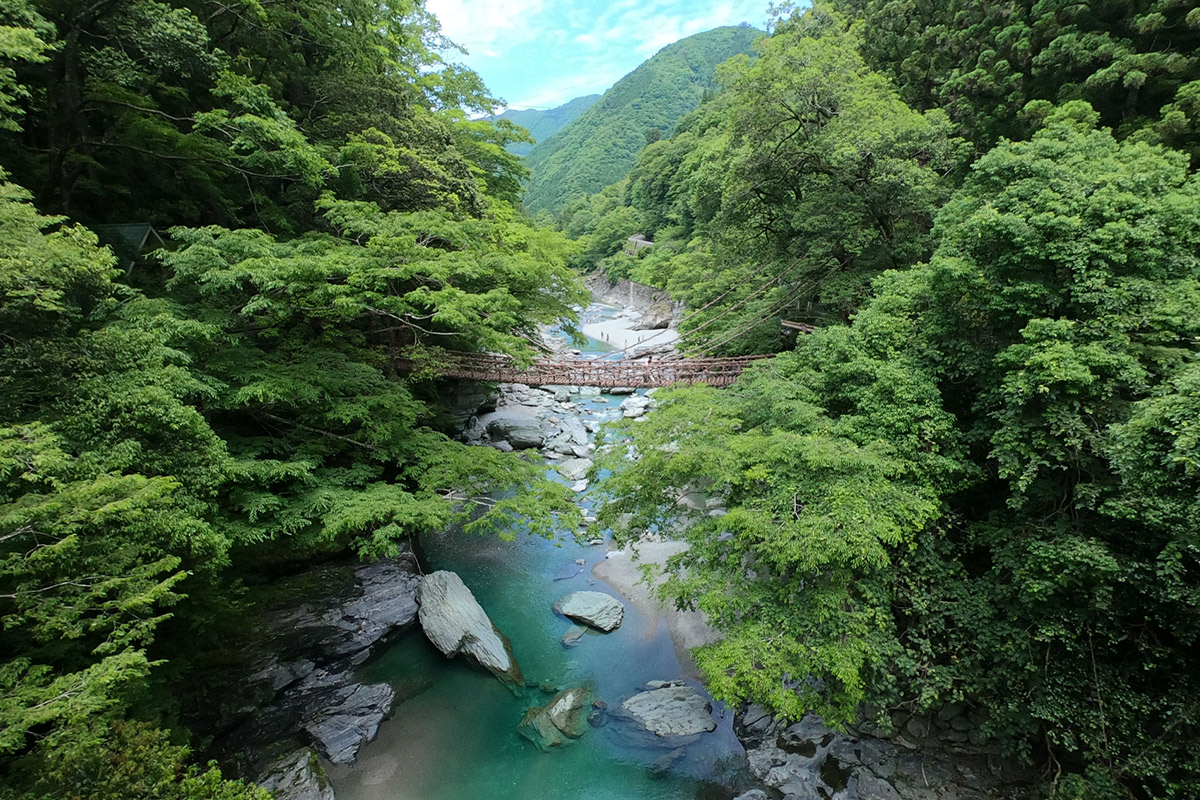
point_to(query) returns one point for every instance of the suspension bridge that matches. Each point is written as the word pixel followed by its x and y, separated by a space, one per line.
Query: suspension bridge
pixel 639 373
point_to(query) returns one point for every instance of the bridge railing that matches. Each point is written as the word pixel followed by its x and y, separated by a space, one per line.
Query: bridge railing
pixel 634 373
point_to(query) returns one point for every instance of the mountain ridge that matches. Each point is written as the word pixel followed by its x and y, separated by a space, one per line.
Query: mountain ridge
pixel 601 146
pixel 544 123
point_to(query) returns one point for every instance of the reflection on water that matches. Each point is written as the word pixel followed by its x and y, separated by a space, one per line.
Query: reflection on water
pixel 453 734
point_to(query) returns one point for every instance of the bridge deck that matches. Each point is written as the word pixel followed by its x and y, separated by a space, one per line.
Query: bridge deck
pixel 635 373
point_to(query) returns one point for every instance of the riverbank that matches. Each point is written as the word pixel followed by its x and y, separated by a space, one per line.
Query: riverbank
pixel 621 334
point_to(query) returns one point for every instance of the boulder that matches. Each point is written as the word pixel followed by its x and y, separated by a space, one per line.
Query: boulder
pixel 521 427
pixel 558 722
pixel 673 711
pixel 457 625
pixel 562 444
pixel 297 776
pixel 601 611
pixel 574 469
pixel 636 406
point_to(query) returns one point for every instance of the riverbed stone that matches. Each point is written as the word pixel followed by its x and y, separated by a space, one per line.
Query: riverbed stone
pixel 573 635
pixel 673 711
pixel 574 469
pixel 558 722
pixel 456 624
pixel 297 776
pixel 601 611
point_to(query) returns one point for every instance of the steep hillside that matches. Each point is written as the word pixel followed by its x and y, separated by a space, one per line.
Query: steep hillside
pixel 602 145
pixel 544 124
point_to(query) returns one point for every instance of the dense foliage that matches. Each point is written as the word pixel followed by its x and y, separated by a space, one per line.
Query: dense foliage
pixel 601 145
pixel 544 124
pixel 784 196
pixel 230 402
pixel 978 479
pixel 1134 62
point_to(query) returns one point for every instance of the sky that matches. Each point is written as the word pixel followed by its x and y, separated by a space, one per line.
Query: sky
pixel 542 53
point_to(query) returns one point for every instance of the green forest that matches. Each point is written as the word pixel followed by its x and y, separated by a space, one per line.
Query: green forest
pixel 973 475
pixel 541 125
pixel 230 404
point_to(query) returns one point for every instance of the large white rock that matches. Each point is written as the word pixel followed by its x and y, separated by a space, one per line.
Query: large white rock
pixel 597 609
pixel 457 625
pixel 673 711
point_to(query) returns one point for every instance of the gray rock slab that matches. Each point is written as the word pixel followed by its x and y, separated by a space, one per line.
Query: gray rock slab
pixel 522 427
pixel 339 731
pixel 456 624
pixel 601 611
pixel 674 711
pixel 574 469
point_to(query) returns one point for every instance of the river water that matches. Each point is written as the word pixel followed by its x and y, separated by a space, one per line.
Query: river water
pixel 453 734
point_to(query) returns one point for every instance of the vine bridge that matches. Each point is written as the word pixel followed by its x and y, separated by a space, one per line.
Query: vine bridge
pixel 636 373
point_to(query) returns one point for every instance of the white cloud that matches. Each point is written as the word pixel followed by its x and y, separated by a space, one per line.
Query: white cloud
pixel 487 27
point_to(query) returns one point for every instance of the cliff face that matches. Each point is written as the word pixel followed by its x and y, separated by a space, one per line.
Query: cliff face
pixel 655 305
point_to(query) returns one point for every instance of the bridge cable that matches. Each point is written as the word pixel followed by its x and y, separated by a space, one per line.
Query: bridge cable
pixel 729 336
pixel 736 332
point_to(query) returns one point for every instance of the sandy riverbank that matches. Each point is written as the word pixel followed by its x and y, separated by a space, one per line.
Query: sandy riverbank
pixel 623 572
pixel 619 333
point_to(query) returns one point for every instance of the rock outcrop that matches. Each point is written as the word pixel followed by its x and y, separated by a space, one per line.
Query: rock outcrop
pixel 601 611
pixel 521 426
pixel 559 722
pixel 655 306
pixel 809 759
pixel 300 684
pixel 297 776
pixel 456 624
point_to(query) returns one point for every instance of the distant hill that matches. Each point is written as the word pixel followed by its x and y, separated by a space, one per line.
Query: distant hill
pixel 601 146
pixel 544 124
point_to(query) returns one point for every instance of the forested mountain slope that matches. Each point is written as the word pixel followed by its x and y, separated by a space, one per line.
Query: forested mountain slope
pixel 544 124
pixel 600 147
